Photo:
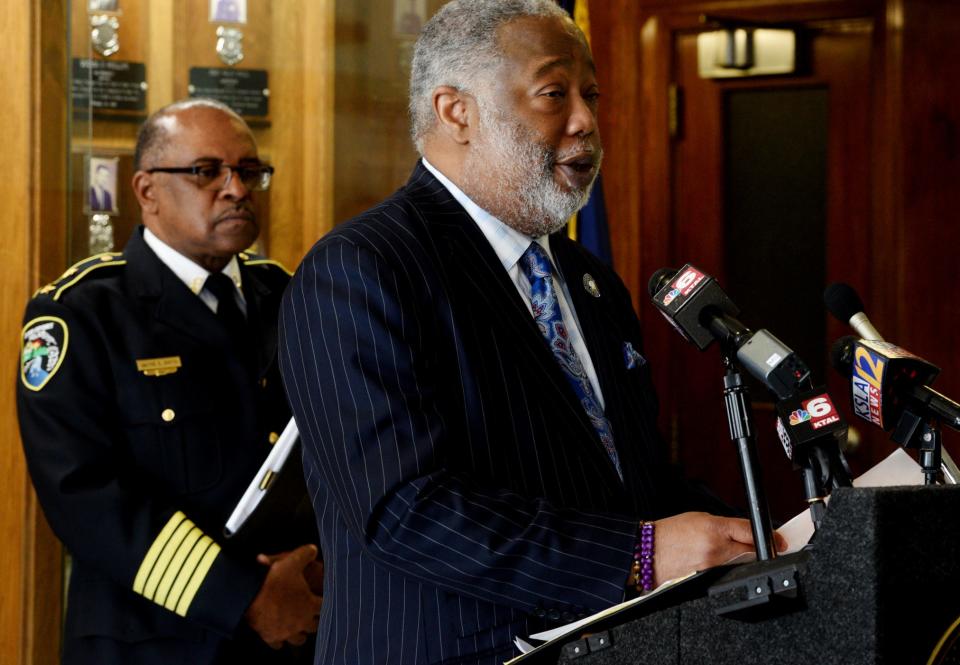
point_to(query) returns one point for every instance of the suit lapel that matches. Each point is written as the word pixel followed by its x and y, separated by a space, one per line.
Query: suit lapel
pixel 604 337
pixel 476 279
pixel 594 314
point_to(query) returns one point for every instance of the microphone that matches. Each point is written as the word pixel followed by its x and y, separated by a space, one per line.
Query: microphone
pixel 843 302
pixel 698 308
pixel 689 299
pixel 886 380
pixel 813 434
pixel 890 386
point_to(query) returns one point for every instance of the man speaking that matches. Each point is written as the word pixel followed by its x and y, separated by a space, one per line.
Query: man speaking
pixel 477 417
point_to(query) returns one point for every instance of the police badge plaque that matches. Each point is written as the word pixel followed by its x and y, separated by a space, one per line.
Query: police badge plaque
pixel 229 45
pixel 103 34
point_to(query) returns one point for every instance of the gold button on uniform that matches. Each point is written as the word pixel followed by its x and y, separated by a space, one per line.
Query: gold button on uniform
pixel 273 438
pixel 168 415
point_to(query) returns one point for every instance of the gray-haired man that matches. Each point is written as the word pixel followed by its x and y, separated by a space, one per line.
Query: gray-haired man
pixel 478 422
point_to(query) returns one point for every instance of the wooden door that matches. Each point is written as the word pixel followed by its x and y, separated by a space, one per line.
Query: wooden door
pixel 771 194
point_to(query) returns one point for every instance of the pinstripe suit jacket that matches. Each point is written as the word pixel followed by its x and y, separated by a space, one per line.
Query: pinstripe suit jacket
pixel 461 493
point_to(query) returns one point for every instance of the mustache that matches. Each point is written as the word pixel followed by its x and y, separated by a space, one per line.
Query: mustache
pixel 583 149
pixel 244 210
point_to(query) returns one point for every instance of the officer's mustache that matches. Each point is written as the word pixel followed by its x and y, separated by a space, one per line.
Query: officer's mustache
pixel 242 210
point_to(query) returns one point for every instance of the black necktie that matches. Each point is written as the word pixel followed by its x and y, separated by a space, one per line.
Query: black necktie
pixel 228 311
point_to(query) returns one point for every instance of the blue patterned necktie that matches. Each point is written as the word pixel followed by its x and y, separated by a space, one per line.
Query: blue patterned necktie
pixel 546 312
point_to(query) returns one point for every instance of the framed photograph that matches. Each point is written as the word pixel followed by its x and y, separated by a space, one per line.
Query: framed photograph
pixel 228 11
pixel 101 185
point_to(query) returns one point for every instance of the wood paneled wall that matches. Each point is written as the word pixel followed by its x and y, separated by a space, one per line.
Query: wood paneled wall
pixel 15 253
pixel 33 185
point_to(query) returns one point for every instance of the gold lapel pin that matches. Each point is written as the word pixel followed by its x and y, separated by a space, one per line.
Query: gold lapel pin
pixel 590 285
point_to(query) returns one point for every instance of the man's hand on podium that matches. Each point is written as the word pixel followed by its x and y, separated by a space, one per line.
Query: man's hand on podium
pixel 696 541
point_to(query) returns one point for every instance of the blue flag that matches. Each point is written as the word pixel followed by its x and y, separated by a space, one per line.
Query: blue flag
pixel 592 231
pixel 590 227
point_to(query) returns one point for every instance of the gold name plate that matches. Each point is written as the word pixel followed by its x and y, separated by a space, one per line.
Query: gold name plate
pixel 159 366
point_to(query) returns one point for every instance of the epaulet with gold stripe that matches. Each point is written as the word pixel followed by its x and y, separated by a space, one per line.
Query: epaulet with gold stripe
pixel 78 271
pixel 249 259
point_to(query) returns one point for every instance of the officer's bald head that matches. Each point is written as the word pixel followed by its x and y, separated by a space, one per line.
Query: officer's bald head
pixel 154 135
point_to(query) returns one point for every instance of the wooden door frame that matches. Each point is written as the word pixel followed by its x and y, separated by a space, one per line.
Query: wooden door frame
pixel 34 137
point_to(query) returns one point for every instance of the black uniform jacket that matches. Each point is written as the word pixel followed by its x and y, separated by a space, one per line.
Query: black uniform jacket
pixel 142 427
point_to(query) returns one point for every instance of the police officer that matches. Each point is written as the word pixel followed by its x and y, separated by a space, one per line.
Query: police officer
pixel 148 398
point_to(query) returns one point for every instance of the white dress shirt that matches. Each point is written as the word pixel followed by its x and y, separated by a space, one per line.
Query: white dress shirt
pixel 509 245
pixel 192 274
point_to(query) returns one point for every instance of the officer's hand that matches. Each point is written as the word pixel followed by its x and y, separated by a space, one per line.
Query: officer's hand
pixel 695 541
pixel 285 609
pixel 314 576
pixel 313 572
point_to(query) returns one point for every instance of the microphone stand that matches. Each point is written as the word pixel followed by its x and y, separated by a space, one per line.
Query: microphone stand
pixel 769 586
pixel 919 427
pixel 737 400
pixel 912 431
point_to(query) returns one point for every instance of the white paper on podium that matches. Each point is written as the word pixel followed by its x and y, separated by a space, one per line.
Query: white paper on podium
pixel 553 633
pixel 256 490
pixel 897 469
pixel 522 646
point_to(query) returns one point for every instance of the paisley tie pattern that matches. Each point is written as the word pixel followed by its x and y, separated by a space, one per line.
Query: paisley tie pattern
pixel 536 265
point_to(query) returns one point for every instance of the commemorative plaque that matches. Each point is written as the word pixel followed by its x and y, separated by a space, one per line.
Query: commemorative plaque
pixel 244 90
pixel 106 85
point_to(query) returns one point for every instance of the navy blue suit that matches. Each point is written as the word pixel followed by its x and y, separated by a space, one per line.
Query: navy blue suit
pixel 462 495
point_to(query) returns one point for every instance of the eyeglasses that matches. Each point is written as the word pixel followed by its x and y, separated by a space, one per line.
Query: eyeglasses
pixel 217 176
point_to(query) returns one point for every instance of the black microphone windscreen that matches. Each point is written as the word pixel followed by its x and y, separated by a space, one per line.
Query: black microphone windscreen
pixel 659 279
pixel 842 301
pixel 841 355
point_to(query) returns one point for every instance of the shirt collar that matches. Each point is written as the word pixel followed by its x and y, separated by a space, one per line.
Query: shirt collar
pixel 508 243
pixel 190 273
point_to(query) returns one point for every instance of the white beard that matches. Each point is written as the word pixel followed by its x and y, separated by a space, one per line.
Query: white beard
pixel 509 173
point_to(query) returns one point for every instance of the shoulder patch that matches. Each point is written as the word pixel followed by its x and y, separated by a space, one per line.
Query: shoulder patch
pixel 78 271
pixel 255 260
pixel 45 341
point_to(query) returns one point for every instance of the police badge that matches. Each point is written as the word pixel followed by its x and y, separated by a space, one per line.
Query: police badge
pixel 44 348
pixel 104 35
pixel 229 45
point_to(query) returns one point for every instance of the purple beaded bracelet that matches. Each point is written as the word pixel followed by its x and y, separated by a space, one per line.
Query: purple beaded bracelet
pixel 642 568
